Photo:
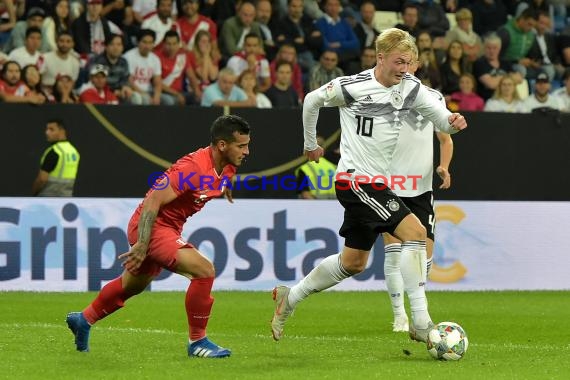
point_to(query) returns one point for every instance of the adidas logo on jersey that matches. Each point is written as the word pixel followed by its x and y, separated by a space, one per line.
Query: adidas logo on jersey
pixel 367 99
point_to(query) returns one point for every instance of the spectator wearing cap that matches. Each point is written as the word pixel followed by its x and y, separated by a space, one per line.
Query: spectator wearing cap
pixel 34 18
pixel 61 61
pixel 541 98
pixel 564 93
pixel 96 91
pixel 145 70
pixel 90 30
pixel 29 54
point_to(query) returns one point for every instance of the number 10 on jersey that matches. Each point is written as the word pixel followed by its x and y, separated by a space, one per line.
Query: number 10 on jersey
pixel 364 126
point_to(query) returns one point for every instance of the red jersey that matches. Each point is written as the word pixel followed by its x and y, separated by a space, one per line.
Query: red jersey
pixel 19 89
pixel 195 181
pixel 174 69
pixel 89 94
pixel 188 31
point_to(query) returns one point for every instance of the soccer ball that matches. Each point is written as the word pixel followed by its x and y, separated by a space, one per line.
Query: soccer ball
pixel 448 341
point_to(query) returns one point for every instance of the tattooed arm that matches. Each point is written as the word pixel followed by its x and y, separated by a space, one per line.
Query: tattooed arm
pixel 151 206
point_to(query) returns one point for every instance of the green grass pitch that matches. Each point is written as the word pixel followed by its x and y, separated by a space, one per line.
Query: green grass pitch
pixel 332 335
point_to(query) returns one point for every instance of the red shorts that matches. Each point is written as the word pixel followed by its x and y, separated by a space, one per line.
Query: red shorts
pixel 162 248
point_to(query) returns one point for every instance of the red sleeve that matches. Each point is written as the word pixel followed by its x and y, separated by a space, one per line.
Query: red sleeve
pixel 110 96
pixel 90 96
pixel 185 177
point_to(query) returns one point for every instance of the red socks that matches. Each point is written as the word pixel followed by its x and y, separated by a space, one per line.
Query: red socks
pixel 198 306
pixel 110 299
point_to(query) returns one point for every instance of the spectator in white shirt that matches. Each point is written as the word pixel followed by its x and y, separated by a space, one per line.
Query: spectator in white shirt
pixel 564 93
pixel 541 98
pixel 161 22
pixel 60 62
pixel 145 70
pixel 29 54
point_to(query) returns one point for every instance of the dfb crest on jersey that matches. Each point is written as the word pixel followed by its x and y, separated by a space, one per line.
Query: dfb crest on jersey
pixel 396 100
pixel 393 205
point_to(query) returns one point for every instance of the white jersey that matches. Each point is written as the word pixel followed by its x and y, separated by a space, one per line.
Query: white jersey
pixel 413 155
pixel 371 118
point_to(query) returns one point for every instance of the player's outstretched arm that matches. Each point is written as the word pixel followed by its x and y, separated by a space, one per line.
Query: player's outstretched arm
pixel 151 206
pixel 445 155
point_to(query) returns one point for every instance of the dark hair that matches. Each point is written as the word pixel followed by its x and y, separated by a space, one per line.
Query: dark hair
pixel 38 86
pixel 281 63
pixel 409 5
pixel 225 126
pixel 252 35
pixel 33 29
pixel 171 33
pixel 64 33
pixel 57 121
pixel 8 63
pixel 111 37
pixel 147 32
pixel 527 13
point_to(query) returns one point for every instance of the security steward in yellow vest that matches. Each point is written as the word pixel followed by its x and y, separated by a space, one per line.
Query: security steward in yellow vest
pixel 316 180
pixel 58 165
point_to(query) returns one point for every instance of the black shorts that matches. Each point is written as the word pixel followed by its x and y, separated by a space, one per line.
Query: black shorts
pixel 369 209
pixel 422 207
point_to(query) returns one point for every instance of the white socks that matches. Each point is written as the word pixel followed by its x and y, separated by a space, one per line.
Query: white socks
pixel 328 273
pixel 413 268
pixel 394 280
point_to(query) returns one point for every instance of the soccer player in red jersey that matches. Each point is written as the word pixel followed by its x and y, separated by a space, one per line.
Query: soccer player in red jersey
pixel 154 234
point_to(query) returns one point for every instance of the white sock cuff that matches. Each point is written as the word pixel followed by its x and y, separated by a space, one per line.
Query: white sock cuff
pixel 392 248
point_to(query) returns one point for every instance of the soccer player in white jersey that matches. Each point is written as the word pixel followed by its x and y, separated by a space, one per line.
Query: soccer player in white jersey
pixel 413 156
pixel 371 106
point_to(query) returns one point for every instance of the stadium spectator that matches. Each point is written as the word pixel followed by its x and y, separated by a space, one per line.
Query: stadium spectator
pixel 325 71
pixel 7 21
pixel 543 53
pixel 490 68
pixel 204 63
pixel 161 22
pixel 454 66
pixel 90 30
pixel 432 18
pixel 117 66
pixel 59 164
pixel 13 89
pixel 120 13
pixel 63 90
pixel 57 22
pixel 61 61
pixel 225 92
pixel 252 58
pixel 282 93
pixel 29 54
pixel 367 61
pixel 299 30
pixel 266 21
pixel 191 22
pixel 364 30
pixel 143 9
pixel 428 69
pixel 176 70
pixel 154 236
pixel 506 97
pixel 338 35
pixel 145 71
pixel 463 32
pixel 237 27
pixel 248 84
pixel 287 53
pixel 563 93
pixel 536 6
pixel 32 78
pixel 34 18
pixel 96 91
pixel 409 19
pixel 466 99
pixel 488 16
pixel 540 98
pixel 517 37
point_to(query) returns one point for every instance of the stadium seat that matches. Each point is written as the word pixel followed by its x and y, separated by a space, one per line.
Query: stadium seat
pixel 384 20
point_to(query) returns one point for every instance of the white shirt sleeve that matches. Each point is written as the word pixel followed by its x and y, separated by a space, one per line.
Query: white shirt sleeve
pixel 434 110
pixel 328 95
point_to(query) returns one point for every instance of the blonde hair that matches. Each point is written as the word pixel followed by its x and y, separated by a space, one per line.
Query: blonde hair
pixel 498 94
pixel 395 39
pixel 463 14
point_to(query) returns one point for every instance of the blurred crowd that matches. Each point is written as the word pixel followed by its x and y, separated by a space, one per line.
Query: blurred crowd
pixel 483 55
